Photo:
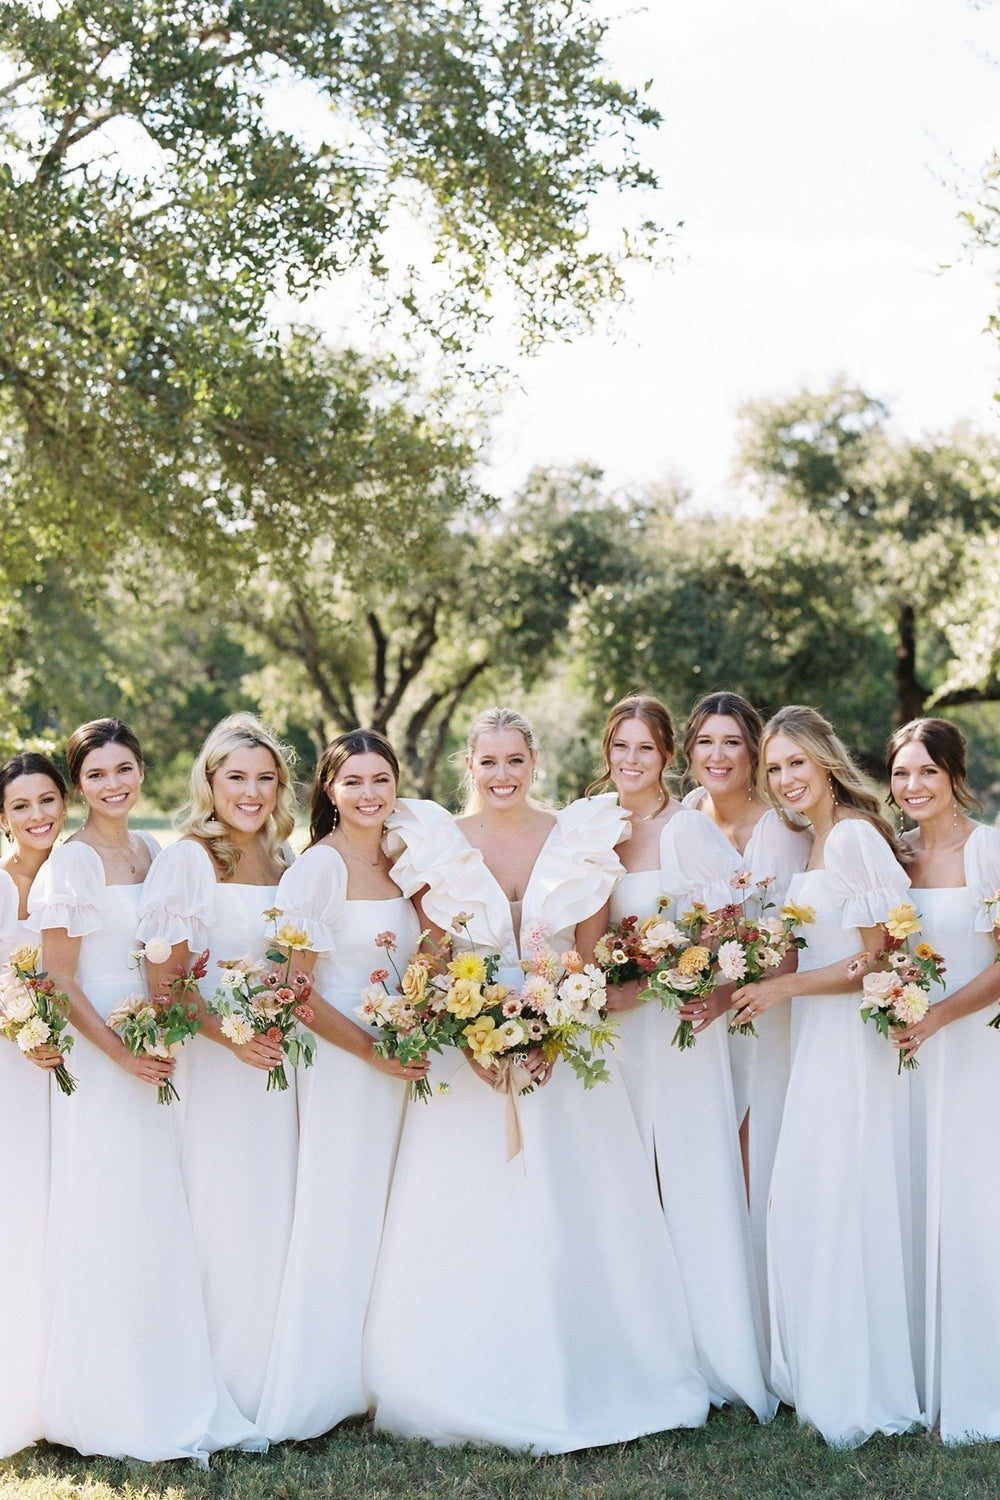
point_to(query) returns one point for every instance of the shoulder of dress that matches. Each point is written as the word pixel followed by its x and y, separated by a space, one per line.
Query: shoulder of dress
pixel 150 840
pixel 600 817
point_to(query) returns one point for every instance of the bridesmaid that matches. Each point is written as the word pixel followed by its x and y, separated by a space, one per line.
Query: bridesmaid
pixel 954 865
pixel 32 812
pixel 340 892
pixel 683 1101
pixel 840 1225
pixel 128 1369
pixel 534 1301
pixel 239 1141
pixel 722 750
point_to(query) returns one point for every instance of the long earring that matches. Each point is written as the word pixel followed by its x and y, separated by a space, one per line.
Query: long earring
pixel 833 789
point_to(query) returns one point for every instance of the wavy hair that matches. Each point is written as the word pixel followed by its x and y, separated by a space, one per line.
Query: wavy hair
pixel 816 736
pixel 655 715
pixel 240 731
pixel 323 815
pixel 945 746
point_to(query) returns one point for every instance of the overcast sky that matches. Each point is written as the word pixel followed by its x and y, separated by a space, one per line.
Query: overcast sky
pixel 819 153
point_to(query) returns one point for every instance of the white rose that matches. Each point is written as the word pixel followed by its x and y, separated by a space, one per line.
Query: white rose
pixel 158 951
pixel 33 1033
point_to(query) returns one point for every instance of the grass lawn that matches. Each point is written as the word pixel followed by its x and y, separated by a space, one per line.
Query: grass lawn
pixel 729 1459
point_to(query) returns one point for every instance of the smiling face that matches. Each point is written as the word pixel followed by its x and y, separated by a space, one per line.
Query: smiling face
pixel 110 780
pixel 245 789
pixel 919 786
pixel 363 791
pixel 501 767
pixel 635 760
pixel 720 756
pixel 33 812
pixel 795 779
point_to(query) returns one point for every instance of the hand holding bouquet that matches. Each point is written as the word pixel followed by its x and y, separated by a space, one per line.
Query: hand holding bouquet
pixel 33 1013
pixel 898 996
pixel 253 1000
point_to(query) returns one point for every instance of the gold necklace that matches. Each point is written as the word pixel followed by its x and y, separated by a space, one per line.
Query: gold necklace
pixel 374 863
pixel 648 817
pixel 122 852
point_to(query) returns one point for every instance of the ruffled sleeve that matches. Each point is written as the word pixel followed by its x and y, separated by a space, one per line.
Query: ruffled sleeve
pixel 777 851
pixel 178 898
pixel 982 872
pixel 69 891
pixel 697 861
pixel 864 873
pixel 577 868
pixel 436 857
pixel 312 895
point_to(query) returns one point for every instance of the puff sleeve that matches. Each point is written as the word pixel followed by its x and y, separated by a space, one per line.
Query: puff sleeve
pixel 312 895
pixel 864 873
pixel 178 899
pixel 69 891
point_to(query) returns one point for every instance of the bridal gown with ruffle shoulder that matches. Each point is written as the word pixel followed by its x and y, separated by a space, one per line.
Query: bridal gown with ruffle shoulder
pixel 350 1117
pixel 128 1369
pixel 840 1229
pixel 956 1100
pixel 684 1107
pixel 239 1140
pixel 24 1193
pixel 760 1064
pixel 532 1302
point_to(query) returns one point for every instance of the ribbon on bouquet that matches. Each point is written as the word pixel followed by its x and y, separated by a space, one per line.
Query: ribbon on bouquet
pixel 513 1079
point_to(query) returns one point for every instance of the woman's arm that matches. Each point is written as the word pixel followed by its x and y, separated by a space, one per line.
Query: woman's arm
pixel 840 978
pixel 977 994
pixel 258 1052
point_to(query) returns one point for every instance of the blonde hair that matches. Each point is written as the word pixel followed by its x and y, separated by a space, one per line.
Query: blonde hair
pixel 815 735
pixel 491 721
pixel 198 819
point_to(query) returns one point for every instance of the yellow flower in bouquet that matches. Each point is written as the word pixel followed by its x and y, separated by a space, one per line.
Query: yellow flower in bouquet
pixel 292 937
pixel 693 960
pixel 468 966
pixel 414 982
pixel 465 999
pixel 482 1040
pixel 799 915
pixel 902 921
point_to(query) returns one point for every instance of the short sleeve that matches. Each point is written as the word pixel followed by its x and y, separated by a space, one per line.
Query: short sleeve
pixel 865 875
pixel 312 895
pixel 69 891
pixel 697 861
pixel 982 872
pixel 177 904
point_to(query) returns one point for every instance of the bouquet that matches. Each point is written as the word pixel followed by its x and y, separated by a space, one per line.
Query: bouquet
pixel 157 1027
pixel 898 996
pixel 558 1008
pixel 413 1018
pixel 686 960
pixel 253 1000
pixel 33 1013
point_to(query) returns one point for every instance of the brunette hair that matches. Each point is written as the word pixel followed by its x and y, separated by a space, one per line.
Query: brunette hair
pixel 492 721
pixel 323 813
pixel 850 786
pixel 732 706
pixel 29 763
pixel 655 715
pixel 945 745
pixel 238 732
pixel 93 736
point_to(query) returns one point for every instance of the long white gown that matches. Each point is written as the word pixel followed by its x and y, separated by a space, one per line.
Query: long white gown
pixel 840 1229
pixel 760 1064
pixel 350 1117
pixel 956 1110
pixel 684 1107
pixel 239 1141
pixel 533 1302
pixel 128 1370
pixel 24 1193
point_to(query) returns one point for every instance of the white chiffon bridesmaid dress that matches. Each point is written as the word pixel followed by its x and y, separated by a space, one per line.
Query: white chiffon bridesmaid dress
pixel 128 1370
pixel 760 1064
pixel 957 1110
pixel 532 1302
pixel 350 1117
pixel 24 1193
pixel 844 1325
pixel 684 1107
pixel 239 1141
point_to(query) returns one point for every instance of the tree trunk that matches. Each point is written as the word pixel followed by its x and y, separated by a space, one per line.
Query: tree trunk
pixel 911 695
